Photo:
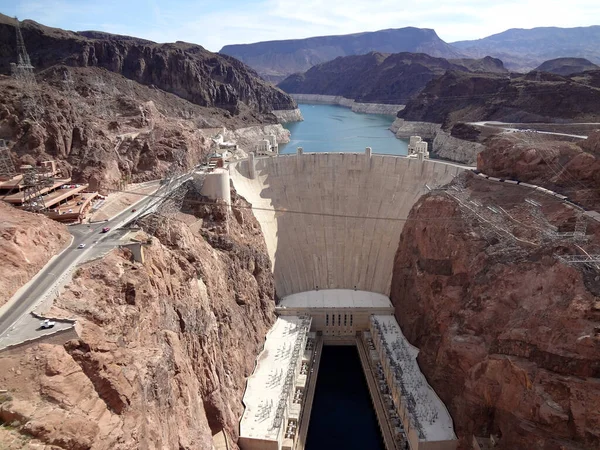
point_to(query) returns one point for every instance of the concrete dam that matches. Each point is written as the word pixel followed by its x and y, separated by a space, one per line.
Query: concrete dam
pixel 333 220
pixel 332 225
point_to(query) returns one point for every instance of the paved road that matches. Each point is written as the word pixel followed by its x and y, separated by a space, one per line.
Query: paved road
pixel 90 235
pixel 508 127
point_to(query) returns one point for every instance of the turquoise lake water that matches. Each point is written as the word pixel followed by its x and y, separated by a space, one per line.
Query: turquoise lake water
pixel 331 128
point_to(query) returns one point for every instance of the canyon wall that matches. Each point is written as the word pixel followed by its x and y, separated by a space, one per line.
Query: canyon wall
pixel 508 335
pixel 366 108
pixel 186 70
pixel 164 346
pixel 334 220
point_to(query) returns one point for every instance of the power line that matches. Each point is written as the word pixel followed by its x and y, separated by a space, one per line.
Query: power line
pixel 319 214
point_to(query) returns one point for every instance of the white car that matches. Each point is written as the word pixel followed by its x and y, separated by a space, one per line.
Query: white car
pixel 47 323
pixel 81 246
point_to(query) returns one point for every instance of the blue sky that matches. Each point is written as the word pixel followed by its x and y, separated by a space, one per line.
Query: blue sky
pixel 213 24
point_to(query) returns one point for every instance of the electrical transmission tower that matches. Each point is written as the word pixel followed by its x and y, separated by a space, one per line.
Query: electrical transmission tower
pixel 22 71
pixel 7 168
pixel 34 183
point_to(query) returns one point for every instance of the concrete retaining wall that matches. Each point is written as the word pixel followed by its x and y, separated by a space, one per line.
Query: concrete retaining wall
pixel 343 243
pixel 60 337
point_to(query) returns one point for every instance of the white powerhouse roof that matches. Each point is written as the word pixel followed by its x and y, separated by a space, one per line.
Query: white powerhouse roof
pixel 265 387
pixel 336 298
pixel 427 410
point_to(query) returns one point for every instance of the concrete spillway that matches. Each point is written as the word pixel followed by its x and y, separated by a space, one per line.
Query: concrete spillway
pixel 333 221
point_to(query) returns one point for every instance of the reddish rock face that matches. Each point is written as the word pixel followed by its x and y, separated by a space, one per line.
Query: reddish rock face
pixel 164 350
pixel 508 335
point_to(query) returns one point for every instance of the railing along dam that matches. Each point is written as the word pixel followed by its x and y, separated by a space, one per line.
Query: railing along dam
pixel 333 220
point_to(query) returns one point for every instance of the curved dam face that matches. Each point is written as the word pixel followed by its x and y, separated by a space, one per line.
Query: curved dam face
pixel 333 220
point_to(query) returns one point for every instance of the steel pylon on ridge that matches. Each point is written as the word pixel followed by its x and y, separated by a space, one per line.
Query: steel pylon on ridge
pixel 23 69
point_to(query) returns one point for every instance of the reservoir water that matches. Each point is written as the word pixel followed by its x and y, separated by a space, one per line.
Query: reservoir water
pixel 342 415
pixel 332 128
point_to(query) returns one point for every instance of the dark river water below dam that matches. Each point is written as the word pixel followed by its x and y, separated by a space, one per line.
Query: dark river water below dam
pixel 332 128
pixel 342 415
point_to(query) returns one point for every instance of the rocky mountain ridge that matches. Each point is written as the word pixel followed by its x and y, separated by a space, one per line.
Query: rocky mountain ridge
pixel 380 77
pixel 535 97
pixel 524 49
pixel 274 60
pixel 186 70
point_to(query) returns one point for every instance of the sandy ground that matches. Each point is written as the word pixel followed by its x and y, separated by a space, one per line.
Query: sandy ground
pixel 118 201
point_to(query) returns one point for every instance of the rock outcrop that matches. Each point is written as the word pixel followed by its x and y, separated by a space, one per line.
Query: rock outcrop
pixel 508 335
pixel 164 347
pixel 289 115
pixel 27 242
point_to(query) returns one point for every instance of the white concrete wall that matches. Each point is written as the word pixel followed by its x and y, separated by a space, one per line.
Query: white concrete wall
pixel 333 250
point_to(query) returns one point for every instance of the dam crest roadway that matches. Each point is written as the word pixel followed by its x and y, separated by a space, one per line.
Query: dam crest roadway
pixel 332 224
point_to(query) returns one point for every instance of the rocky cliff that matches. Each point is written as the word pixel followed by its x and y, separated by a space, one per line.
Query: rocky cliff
pixel 186 70
pixel 114 109
pixel 375 77
pixel 536 97
pixel 164 346
pixel 274 60
pixel 509 336
pixel 27 242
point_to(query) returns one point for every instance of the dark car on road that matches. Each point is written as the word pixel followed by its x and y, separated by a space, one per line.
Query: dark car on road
pixel 105 229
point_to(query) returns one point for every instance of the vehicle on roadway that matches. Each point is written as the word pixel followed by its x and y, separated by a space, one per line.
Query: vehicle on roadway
pixel 105 229
pixel 134 210
pixel 81 246
pixel 47 323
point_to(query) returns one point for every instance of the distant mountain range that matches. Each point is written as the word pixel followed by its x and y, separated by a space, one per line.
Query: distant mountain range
pixel 275 60
pixel 523 50
pixel 379 77
pixel 519 49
